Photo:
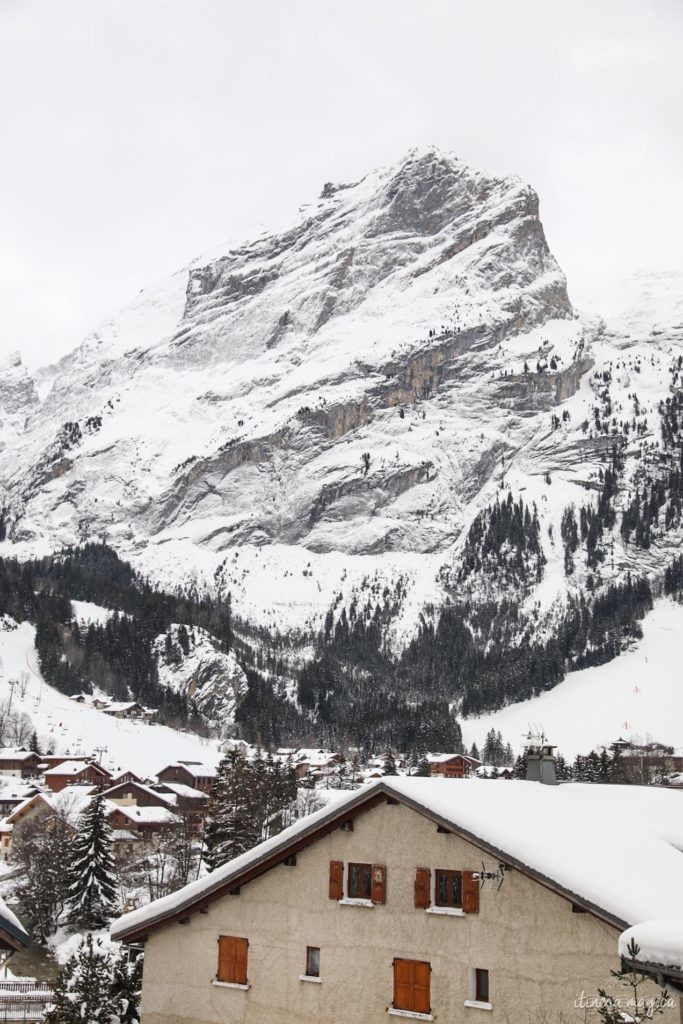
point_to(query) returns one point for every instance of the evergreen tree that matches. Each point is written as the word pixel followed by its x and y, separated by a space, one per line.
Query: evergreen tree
pixel 390 765
pixel 422 769
pixel 96 987
pixel 91 899
pixel 232 825
pixel 34 744
pixel 474 752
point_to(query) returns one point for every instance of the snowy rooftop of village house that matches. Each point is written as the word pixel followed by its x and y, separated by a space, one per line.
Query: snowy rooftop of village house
pixel 69 768
pixel 659 941
pixel 592 841
pixel 12 925
pixel 178 789
pixel 143 815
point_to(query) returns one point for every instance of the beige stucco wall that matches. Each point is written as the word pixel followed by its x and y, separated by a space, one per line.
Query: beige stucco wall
pixel 539 954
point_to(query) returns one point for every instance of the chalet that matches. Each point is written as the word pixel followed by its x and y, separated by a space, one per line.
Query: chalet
pixel 144 820
pixel 14 793
pixel 418 899
pixel 52 760
pixel 120 776
pixel 19 763
pixel 71 773
pixel 125 709
pixel 32 805
pixel 190 773
pixel 136 794
pixel 315 762
pixel 452 766
pixel 191 803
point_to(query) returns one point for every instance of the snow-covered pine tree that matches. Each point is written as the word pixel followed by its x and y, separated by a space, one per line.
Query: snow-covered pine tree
pixel 474 752
pixel 126 988
pixel 232 825
pixel 390 765
pixel 422 769
pixel 97 986
pixel 91 899
pixel 82 990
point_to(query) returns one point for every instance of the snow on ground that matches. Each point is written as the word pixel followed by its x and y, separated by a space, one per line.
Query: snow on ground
pixel 142 747
pixel 638 694
pixel 86 611
pixel 288 587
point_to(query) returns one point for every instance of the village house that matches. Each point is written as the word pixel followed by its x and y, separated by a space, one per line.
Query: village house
pixel 312 762
pixel 14 793
pixel 190 773
pixel 418 899
pixel 125 709
pixel 19 763
pixel 143 820
pixel 136 794
pixel 192 803
pixel 70 773
pixel 452 766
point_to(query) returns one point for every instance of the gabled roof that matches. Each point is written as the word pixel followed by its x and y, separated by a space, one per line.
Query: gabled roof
pixel 179 789
pixel 17 754
pixel 110 793
pixel 12 932
pixel 143 815
pixel 572 838
pixel 75 768
pixel 194 768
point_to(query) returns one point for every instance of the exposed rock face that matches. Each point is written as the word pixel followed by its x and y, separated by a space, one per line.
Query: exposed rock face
pixel 18 392
pixel 212 680
pixel 360 383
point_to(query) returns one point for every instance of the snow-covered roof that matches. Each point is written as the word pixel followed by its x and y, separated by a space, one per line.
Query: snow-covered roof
pixel 12 926
pixel 180 789
pixel 571 836
pixel 443 758
pixel 73 768
pixel 14 754
pixel 195 768
pixel 143 815
pixel 660 941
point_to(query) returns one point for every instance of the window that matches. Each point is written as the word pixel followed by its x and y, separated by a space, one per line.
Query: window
pixel 448 888
pixel 360 882
pixel 481 985
pixel 312 962
pixel 232 960
pixel 411 985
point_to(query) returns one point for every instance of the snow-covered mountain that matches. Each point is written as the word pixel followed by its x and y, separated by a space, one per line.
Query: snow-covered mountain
pixel 327 410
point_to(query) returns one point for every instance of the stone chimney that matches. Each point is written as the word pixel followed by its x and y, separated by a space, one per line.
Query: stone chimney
pixel 540 759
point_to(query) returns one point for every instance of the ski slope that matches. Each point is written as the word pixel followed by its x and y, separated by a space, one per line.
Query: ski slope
pixel 70 727
pixel 639 694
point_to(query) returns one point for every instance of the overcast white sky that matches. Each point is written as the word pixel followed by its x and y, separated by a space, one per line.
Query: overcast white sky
pixel 136 134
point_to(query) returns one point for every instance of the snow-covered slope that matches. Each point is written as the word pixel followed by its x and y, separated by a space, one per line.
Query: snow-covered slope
pixel 325 410
pixel 73 728
pixel 637 695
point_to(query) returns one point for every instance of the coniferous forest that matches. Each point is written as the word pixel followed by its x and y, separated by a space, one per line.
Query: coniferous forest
pixel 470 658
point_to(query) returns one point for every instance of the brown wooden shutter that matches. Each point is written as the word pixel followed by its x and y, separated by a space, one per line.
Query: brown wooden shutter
pixel 378 886
pixel 232 959
pixel 403 984
pixel 412 985
pixel 470 892
pixel 421 995
pixel 336 879
pixel 423 885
